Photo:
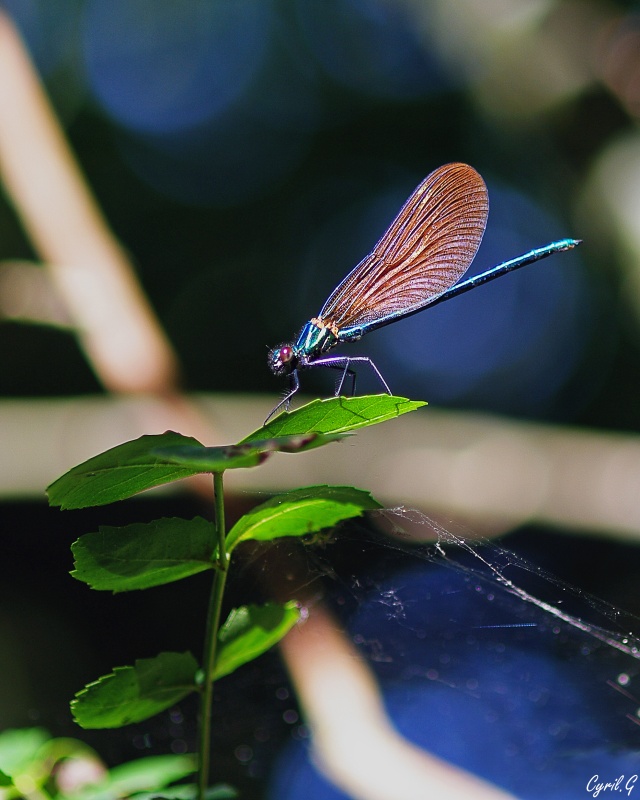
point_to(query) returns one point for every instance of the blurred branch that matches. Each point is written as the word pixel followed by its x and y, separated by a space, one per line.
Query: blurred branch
pixel 493 473
pixel 114 321
pixel 353 740
pixel 27 294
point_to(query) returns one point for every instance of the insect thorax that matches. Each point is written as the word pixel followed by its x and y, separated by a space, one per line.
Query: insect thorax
pixel 316 338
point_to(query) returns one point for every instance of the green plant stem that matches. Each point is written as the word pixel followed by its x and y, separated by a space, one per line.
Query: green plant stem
pixel 211 640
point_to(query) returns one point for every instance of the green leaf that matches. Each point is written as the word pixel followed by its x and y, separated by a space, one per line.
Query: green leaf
pixel 300 512
pixel 250 631
pixel 142 555
pixel 233 456
pixel 5 780
pixel 153 772
pixel 132 694
pixel 336 415
pixel 189 791
pixel 19 747
pixel 143 777
pixel 148 777
pixel 149 461
pixel 120 472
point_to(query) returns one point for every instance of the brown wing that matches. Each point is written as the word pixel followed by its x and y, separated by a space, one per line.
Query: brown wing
pixel 426 249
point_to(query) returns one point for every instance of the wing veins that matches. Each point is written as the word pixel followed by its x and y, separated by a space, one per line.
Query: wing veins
pixel 426 249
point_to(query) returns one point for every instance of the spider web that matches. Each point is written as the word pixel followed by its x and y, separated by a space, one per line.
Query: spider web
pixel 482 657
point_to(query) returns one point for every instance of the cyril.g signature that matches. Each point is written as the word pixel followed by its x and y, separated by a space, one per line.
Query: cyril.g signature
pixel 595 786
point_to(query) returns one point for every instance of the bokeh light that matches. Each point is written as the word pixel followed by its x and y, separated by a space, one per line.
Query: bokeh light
pixel 51 30
pixel 371 47
pixel 157 67
pixel 612 196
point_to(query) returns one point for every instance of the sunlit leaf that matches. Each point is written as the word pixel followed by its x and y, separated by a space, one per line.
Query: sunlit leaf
pixel 19 747
pixel 234 456
pixel 337 415
pixel 301 512
pixel 120 472
pixel 149 461
pixel 134 693
pixel 142 555
pixel 250 631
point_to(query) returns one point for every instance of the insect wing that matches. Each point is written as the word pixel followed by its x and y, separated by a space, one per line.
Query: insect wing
pixel 426 249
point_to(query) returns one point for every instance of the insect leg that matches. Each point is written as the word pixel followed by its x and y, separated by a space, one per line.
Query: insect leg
pixel 343 366
pixel 342 362
pixel 346 372
pixel 294 385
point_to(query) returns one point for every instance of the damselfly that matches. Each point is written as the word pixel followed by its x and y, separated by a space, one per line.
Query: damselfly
pixel 427 248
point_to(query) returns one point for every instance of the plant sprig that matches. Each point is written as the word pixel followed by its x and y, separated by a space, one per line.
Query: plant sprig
pixel 144 555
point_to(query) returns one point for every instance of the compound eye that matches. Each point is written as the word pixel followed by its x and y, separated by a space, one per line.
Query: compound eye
pixel 282 360
pixel 286 354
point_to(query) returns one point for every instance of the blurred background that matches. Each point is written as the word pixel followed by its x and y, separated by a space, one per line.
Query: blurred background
pixel 245 156
pixel 248 155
